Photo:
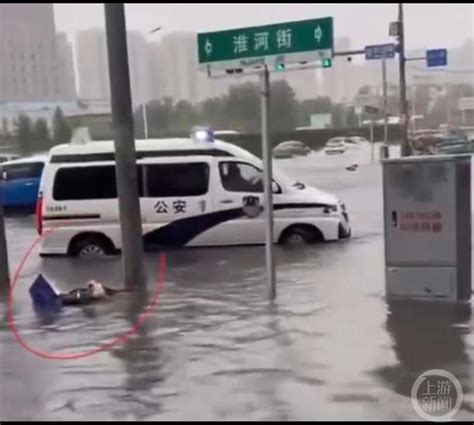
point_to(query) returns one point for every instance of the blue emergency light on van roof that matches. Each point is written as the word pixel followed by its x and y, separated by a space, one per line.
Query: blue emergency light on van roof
pixel 202 134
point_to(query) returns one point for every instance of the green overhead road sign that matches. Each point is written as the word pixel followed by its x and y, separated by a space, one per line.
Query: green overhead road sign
pixel 288 42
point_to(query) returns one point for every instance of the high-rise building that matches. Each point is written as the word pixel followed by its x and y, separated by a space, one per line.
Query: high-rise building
pixel 93 65
pixel 175 70
pixel 67 80
pixel 31 67
pixel 178 72
pixel 139 64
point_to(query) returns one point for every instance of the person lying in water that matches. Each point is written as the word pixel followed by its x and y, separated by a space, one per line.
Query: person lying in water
pixel 94 291
pixel 44 296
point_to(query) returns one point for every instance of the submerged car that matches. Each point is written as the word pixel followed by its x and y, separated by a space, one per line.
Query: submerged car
pixel 336 145
pixel 289 148
pixel 355 141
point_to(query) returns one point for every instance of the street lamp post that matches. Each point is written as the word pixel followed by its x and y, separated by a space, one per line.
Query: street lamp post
pixel 144 111
pixel 145 121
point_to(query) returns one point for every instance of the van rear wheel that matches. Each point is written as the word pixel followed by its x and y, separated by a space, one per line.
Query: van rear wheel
pixel 91 246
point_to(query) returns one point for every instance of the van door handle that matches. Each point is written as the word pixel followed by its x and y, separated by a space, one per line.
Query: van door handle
pixel 227 201
pixel 28 184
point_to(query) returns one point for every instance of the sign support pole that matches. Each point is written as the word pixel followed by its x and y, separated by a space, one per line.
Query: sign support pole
pixel 267 183
pixel 384 94
pixel 372 140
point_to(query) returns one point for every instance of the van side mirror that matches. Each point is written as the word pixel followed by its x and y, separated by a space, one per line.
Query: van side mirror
pixel 275 187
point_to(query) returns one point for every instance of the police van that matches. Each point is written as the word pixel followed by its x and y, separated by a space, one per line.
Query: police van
pixel 194 191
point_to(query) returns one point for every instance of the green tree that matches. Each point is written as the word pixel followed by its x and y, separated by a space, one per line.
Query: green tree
pixel 25 134
pixel 212 112
pixel 61 131
pixel 5 129
pixel 159 117
pixel 283 114
pixel 138 123
pixel 41 135
pixel 5 134
pixel 184 116
pixel 243 107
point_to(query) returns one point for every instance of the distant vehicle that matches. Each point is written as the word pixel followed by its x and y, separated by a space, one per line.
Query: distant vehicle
pixel 20 181
pixel 195 191
pixel 4 157
pixel 336 145
pixel 289 148
pixel 282 154
pixel 356 140
pixel 456 147
pixel 224 132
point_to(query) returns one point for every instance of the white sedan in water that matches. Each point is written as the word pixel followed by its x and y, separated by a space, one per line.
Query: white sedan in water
pixel 290 148
pixel 336 145
pixel 355 141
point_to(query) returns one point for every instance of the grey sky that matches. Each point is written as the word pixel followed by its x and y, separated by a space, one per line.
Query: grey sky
pixel 427 25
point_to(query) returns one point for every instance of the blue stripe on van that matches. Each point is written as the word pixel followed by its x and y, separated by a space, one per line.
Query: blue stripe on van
pixel 182 231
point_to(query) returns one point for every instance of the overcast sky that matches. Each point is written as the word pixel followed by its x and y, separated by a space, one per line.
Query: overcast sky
pixel 427 25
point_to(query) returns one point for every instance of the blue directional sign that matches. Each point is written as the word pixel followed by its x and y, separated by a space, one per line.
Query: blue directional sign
pixel 380 51
pixel 437 57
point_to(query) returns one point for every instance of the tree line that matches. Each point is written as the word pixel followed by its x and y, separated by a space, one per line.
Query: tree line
pixel 239 110
pixel 33 136
pixel 436 103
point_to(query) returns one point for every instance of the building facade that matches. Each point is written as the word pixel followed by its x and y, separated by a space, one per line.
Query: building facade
pixel 93 65
pixel 35 63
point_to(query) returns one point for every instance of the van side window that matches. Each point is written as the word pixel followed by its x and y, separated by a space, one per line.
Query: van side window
pixel 240 177
pixel 173 180
pixel 80 183
pixel 31 170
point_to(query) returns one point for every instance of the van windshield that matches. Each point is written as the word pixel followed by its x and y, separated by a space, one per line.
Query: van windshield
pixel 278 175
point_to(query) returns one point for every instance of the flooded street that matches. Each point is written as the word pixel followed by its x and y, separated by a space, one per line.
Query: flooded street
pixel 214 348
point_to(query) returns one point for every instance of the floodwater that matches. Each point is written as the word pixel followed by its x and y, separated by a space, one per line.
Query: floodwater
pixel 214 348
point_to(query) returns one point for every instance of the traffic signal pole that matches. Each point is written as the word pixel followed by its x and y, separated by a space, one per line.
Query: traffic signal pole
pixel 405 148
pixel 124 139
pixel 385 106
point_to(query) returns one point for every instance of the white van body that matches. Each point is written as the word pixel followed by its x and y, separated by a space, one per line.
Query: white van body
pixel 187 198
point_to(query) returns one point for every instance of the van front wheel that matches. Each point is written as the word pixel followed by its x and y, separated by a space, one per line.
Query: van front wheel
pixel 301 235
pixel 90 246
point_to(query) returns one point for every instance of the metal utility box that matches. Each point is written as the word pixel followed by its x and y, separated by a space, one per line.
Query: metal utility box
pixel 427 220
